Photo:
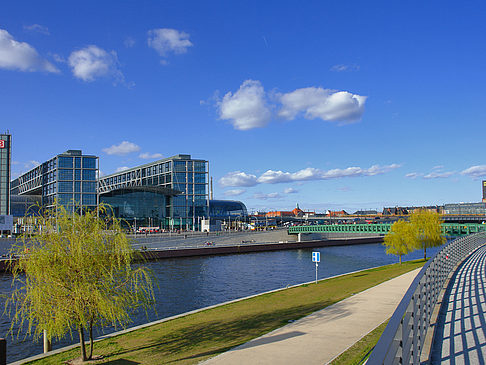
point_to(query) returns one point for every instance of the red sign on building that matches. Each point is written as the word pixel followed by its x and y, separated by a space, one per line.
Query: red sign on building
pixel 2 143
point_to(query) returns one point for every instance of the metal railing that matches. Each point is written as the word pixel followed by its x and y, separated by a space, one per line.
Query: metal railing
pixel 403 339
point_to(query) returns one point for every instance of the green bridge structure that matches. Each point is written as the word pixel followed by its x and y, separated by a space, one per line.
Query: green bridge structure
pixel 448 229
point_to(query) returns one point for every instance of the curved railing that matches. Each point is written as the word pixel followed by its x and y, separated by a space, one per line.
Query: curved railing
pixel 403 339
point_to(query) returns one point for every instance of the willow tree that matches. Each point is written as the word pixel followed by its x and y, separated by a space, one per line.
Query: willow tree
pixel 401 239
pixel 74 272
pixel 429 229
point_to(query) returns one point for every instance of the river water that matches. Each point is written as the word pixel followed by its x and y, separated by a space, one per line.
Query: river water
pixel 186 284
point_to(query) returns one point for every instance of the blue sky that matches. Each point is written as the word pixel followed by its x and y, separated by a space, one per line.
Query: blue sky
pixel 329 104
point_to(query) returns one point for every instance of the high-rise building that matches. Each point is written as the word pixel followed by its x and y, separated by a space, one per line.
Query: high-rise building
pixel 69 178
pixel 5 163
pixel 484 191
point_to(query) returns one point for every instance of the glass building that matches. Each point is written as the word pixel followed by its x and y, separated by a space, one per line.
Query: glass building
pixel 180 201
pixel 5 163
pixel 69 178
pixel 224 209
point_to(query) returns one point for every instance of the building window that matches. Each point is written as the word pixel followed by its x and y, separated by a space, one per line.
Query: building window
pixel 65 161
pixel 65 174
pixel 89 162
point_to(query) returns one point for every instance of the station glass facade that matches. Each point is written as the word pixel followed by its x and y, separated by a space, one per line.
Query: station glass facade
pixel 178 173
pixel 140 206
pixel 69 178
pixel 224 209
pixel 5 163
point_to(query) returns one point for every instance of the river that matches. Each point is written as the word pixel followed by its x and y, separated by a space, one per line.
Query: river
pixel 186 284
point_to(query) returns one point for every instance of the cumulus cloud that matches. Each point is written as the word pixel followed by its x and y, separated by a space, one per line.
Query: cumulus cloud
pixel 239 178
pixel 325 104
pixel 93 62
pixel 37 28
pixel 290 191
pixel 262 196
pixel 122 168
pixel 234 192
pixel 123 148
pixel 475 171
pixel 249 107
pixel 246 108
pixel 21 56
pixel 147 155
pixel 166 41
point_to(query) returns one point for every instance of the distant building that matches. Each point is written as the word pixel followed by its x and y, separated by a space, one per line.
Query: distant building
pixel 465 208
pixel 296 212
pixel 410 210
pixel 366 212
pixel 339 213
pixel 484 191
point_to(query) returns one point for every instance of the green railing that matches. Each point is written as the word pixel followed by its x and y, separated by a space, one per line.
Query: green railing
pixel 448 229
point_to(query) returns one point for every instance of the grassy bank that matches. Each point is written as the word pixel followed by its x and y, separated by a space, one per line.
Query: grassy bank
pixel 195 337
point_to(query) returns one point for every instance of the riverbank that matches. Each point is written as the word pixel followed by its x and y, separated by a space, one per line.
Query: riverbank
pixel 205 333
pixel 238 248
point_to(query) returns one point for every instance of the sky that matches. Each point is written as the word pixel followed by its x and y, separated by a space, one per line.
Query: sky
pixel 326 104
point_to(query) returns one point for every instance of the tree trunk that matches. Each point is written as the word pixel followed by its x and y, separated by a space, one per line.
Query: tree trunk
pixel 81 342
pixel 425 253
pixel 91 344
pixel 400 256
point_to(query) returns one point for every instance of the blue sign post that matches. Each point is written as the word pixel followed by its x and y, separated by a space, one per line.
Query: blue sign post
pixel 316 257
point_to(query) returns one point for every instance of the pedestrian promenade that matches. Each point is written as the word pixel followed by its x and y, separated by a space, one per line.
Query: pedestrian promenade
pixel 323 335
pixel 461 327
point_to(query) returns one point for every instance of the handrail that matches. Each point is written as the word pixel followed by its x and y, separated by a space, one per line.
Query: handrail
pixel 403 339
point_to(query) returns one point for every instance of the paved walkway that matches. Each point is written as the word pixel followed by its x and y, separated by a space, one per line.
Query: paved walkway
pixel 323 335
pixel 461 328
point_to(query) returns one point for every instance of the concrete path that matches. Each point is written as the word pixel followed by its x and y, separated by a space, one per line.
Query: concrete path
pixel 323 335
pixel 461 327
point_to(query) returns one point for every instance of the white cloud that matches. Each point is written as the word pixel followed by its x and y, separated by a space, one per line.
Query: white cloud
pixel 475 171
pixel 238 178
pixel 123 148
pixel 310 173
pixel 129 42
pixel 37 28
pixel 147 155
pixel 122 168
pixel 21 56
pixel 342 68
pixel 325 104
pixel 166 41
pixel 438 175
pixel 262 196
pixel 247 107
pixel 290 191
pixel 92 62
pixel 234 192
pixel 413 175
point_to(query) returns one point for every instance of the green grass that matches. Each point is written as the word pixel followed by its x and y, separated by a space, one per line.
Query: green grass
pixel 199 336
pixel 360 351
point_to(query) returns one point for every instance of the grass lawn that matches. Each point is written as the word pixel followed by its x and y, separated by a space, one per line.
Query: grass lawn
pixel 360 351
pixel 195 337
